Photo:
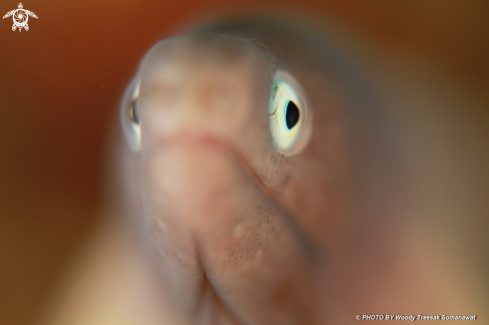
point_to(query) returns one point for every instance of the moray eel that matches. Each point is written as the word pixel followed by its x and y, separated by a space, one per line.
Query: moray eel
pixel 262 174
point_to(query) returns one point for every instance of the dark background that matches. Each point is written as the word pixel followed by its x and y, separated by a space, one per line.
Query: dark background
pixel 60 85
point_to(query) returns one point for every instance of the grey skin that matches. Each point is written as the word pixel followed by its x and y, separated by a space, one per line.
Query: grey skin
pixel 244 234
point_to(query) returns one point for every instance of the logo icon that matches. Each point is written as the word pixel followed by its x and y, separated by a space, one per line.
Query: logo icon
pixel 20 17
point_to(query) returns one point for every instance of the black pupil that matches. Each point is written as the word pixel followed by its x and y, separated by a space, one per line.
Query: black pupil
pixel 134 112
pixel 292 115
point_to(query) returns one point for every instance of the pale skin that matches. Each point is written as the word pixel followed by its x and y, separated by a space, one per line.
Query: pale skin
pixel 227 229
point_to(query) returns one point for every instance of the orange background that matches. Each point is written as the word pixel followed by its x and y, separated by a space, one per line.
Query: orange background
pixel 60 85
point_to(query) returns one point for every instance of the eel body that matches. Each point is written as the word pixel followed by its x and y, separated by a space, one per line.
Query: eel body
pixel 260 184
pixel 252 223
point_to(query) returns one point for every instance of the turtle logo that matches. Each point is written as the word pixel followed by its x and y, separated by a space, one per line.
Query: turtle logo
pixel 20 17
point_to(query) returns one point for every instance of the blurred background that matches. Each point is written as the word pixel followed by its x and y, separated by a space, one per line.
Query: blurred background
pixel 61 82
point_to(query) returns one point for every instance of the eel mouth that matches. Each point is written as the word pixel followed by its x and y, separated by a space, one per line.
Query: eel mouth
pixel 218 145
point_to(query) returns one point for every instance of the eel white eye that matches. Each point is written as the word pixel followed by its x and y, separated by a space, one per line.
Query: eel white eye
pixel 288 115
pixel 130 119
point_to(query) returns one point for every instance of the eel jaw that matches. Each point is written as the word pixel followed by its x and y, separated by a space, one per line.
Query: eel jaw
pixel 218 235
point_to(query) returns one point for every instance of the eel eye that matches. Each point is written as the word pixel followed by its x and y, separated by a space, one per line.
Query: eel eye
pixel 134 111
pixel 288 116
pixel 130 119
